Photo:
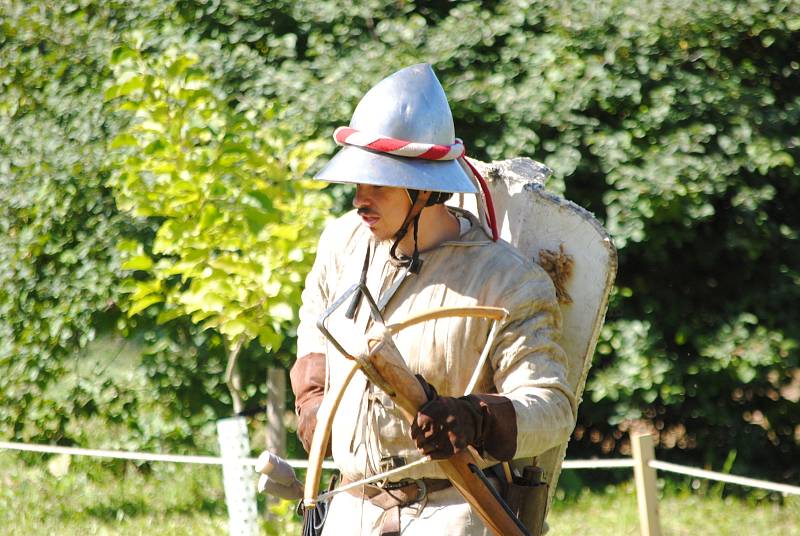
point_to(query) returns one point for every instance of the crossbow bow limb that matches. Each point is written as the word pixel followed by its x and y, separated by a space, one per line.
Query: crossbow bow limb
pixel 386 368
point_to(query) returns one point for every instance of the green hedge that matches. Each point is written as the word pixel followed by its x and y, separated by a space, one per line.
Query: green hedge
pixel 57 260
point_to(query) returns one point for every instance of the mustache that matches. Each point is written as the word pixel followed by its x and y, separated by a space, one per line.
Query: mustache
pixel 364 211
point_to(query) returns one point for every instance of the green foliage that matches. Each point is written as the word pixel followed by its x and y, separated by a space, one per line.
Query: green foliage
pixel 235 222
pixel 57 258
pixel 60 275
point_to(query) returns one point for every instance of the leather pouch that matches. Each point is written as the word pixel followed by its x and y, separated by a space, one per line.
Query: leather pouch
pixel 527 498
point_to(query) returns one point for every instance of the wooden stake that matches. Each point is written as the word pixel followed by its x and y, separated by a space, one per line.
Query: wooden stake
pixel 275 428
pixel 276 406
pixel 645 476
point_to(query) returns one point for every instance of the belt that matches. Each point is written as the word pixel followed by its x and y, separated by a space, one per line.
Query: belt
pixel 402 493
pixel 395 495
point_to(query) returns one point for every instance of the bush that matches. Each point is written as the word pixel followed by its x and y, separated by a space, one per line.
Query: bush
pixel 58 265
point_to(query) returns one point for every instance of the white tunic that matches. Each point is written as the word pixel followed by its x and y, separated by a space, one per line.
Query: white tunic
pixel 525 363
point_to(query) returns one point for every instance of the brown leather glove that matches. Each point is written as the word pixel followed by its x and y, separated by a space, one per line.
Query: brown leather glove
pixel 308 383
pixel 446 425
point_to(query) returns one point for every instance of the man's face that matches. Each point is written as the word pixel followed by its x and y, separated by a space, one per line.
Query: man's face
pixel 382 208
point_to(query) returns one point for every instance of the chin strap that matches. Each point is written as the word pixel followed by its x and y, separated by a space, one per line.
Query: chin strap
pixel 412 218
pixel 413 263
pixel 425 151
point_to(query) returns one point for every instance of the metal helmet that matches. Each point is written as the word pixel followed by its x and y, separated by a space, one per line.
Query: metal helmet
pixel 408 105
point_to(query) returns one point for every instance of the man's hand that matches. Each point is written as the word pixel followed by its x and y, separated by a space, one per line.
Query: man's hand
pixel 445 425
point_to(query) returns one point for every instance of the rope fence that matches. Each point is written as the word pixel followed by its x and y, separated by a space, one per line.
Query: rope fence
pixel 302 464
pixel 144 456
pixel 597 464
pixel 724 477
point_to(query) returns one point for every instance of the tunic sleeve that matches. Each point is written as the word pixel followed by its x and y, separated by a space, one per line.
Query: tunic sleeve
pixel 315 298
pixel 530 367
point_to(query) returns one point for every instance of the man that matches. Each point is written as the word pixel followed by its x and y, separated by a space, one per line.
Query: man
pixel 414 253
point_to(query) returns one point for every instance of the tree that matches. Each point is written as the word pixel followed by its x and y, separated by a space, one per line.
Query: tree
pixel 223 180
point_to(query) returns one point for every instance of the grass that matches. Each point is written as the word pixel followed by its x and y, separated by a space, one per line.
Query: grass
pixel 106 498
pixel 111 497
pixel 682 513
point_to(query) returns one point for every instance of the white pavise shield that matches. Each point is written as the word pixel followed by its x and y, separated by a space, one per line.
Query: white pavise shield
pixel 407 105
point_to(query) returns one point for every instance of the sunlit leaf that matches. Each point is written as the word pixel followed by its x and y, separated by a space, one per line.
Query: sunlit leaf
pixel 141 262
pixel 138 306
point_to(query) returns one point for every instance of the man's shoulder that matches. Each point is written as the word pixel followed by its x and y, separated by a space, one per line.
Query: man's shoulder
pixel 503 256
pixel 506 270
pixel 498 253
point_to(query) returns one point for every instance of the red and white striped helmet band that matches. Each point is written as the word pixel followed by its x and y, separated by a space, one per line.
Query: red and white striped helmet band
pixel 393 146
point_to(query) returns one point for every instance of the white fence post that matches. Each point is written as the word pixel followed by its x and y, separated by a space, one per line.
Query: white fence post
pixel 645 477
pixel 238 479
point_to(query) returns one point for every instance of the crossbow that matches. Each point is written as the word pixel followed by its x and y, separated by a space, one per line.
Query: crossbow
pixel 384 366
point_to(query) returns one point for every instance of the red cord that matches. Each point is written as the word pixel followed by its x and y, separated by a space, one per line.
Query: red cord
pixel 489 203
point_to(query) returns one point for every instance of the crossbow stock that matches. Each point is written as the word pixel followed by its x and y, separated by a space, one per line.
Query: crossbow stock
pixel 385 367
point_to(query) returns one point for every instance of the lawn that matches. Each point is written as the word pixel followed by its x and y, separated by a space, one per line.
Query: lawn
pixel 614 513
pixel 110 497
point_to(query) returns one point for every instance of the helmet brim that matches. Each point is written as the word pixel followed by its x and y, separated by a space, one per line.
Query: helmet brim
pixel 361 166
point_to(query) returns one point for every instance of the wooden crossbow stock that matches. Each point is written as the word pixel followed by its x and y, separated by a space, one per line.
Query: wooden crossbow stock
pixel 386 368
